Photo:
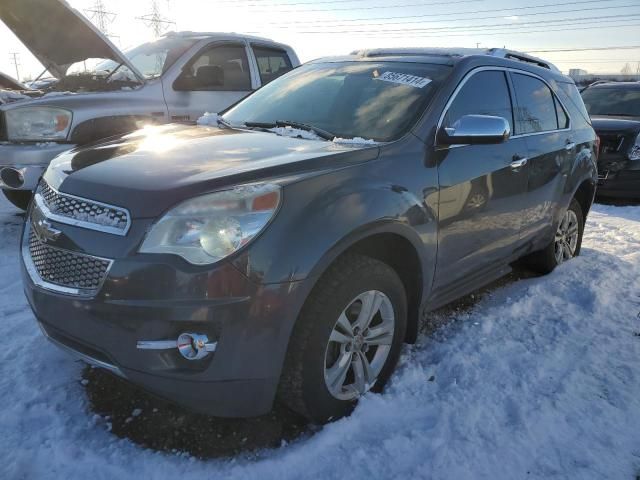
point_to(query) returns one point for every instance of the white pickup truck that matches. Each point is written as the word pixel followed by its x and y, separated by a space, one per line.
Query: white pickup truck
pixel 176 78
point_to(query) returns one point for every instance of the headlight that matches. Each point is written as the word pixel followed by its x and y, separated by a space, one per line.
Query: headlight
pixel 37 124
pixel 209 228
pixel 634 153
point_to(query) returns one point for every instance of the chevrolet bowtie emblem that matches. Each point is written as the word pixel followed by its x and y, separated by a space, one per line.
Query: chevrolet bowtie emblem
pixel 43 228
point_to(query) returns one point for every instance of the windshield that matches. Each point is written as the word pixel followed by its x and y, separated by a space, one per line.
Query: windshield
pixel 151 59
pixel 615 100
pixel 371 100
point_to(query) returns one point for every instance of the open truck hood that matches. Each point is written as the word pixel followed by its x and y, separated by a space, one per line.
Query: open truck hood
pixel 58 35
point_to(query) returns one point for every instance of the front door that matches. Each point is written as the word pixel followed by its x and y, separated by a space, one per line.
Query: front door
pixel 217 77
pixel 482 187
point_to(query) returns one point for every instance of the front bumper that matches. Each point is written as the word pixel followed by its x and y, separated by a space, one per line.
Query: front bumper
pixel 142 301
pixel 30 159
pixel 619 184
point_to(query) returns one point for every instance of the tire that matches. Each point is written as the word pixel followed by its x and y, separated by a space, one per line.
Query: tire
pixel 352 282
pixel 547 259
pixel 19 198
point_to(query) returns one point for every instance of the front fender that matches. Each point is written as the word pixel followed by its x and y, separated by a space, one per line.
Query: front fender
pixel 322 217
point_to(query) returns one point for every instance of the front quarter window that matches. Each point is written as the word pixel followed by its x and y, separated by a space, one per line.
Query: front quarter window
pixel 372 100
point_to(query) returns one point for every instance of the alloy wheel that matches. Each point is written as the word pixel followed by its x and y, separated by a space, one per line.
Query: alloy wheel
pixel 359 345
pixel 566 239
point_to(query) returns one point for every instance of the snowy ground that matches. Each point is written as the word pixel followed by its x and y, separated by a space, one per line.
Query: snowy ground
pixel 538 380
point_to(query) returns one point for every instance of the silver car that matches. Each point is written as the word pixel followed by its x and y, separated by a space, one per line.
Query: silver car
pixel 102 91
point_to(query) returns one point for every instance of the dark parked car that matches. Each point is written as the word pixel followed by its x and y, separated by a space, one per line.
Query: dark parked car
pixel 615 114
pixel 291 250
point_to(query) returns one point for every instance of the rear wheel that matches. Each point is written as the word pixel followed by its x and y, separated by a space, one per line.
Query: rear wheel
pixel 347 339
pixel 19 198
pixel 566 243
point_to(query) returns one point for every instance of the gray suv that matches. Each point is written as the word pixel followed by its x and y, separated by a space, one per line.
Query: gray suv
pixel 174 79
pixel 290 250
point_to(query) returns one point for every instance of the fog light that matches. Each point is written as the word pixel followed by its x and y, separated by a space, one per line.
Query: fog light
pixel 192 346
pixel 12 177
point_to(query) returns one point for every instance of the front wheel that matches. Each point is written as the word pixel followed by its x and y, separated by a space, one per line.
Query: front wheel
pixel 566 243
pixel 347 339
pixel 19 198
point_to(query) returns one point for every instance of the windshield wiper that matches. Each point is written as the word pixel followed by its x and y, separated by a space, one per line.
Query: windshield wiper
pixel 309 128
pixel 293 124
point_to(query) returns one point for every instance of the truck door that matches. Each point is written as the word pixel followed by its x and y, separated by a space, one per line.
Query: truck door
pixel 215 78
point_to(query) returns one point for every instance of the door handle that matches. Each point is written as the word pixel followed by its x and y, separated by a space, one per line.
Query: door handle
pixel 570 146
pixel 519 163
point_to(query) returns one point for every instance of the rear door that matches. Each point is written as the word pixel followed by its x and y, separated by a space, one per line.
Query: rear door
pixel 271 62
pixel 542 121
pixel 482 187
pixel 215 78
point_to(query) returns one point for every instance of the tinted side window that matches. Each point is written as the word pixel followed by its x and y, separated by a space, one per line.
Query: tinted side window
pixel 563 119
pixel 485 93
pixel 272 63
pixel 536 110
pixel 219 68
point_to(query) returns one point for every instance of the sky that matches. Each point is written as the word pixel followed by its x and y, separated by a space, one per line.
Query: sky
pixel 317 28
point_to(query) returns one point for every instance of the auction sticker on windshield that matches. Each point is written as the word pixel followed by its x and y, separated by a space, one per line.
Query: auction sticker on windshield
pixel 404 79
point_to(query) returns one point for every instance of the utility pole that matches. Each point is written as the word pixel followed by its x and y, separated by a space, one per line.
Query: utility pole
pixel 15 59
pixel 155 20
pixel 101 17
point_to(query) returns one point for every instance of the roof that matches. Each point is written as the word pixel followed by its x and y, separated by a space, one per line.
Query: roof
pixel 225 35
pixel 457 53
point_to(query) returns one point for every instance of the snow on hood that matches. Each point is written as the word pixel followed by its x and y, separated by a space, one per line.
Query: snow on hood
pixel 355 141
pixel 9 96
pixel 58 35
pixel 295 133
pixel 209 119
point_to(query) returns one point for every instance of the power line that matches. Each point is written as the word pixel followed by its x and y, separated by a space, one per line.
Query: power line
pixel 583 49
pixel 367 8
pixel 340 23
pixel 472 27
pixel 592 25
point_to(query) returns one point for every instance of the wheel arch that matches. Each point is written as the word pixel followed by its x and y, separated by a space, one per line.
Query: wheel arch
pixel 398 246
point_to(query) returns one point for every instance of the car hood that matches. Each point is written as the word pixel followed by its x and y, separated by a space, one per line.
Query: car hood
pixel 9 83
pixel 611 124
pixel 57 34
pixel 152 169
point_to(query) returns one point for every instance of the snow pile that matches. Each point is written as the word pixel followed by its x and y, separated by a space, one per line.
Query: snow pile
pixel 210 119
pixel 355 141
pixel 295 133
pixel 539 380
pixel 8 96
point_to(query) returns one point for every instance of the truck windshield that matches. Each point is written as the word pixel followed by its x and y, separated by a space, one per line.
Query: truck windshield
pixel 151 59
pixel 370 100
pixel 614 100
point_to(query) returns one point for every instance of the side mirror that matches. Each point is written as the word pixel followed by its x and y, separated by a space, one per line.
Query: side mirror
pixel 475 129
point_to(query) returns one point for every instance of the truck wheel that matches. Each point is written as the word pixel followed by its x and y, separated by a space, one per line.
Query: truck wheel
pixel 347 339
pixel 565 245
pixel 19 198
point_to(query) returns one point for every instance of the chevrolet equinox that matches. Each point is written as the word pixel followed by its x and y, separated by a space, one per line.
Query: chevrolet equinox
pixel 288 249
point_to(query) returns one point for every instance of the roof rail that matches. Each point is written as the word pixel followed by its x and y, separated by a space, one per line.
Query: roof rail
pixel 457 52
pixel 522 57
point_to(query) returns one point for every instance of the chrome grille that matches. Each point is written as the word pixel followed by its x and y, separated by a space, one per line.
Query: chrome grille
pixel 75 271
pixel 82 212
